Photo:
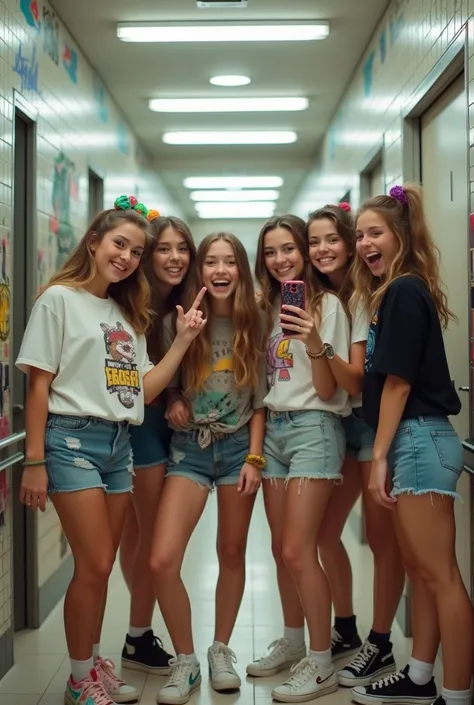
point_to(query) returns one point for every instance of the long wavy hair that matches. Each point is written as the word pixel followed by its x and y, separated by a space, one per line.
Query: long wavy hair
pixel 161 305
pixel 344 224
pixel 270 288
pixel 131 294
pixel 417 253
pixel 247 348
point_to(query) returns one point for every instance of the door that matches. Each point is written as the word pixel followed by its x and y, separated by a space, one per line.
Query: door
pixel 96 194
pixel 377 180
pixel 444 170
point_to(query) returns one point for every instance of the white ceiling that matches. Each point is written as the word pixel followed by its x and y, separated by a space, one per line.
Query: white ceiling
pixel 134 73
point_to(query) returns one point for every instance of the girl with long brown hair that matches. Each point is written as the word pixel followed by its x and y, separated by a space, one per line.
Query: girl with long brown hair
pixel 417 457
pixel 166 269
pixel 89 377
pixel 215 407
pixel 304 451
pixel 331 239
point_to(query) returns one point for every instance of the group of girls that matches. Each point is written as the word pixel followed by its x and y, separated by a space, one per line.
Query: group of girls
pixel 353 397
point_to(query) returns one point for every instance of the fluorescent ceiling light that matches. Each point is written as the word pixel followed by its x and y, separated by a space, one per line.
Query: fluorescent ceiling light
pixel 230 137
pixel 199 182
pixel 235 210
pixel 230 80
pixel 226 105
pixel 221 32
pixel 244 195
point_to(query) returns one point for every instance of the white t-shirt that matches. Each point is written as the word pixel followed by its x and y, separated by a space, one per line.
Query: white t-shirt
pixel 97 358
pixel 289 368
pixel 359 333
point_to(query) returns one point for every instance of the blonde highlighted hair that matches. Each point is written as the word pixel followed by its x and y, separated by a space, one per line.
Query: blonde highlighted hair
pixel 417 253
pixel 131 294
pixel 247 345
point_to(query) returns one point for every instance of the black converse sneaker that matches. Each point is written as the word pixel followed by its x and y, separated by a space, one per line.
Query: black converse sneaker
pixel 369 665
pixel 342 647
pixel 396 688
pixel 146 653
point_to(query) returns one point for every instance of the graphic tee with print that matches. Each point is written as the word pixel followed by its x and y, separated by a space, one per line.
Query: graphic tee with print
pixel 98 360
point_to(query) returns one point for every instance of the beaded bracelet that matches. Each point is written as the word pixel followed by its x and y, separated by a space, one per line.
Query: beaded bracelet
pixel 258 461
pixel 33 463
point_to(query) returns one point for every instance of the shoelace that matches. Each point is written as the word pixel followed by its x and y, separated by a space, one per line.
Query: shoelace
pixel 301 672
pixel 107 667
pixel 274 650
pixel 157 642
pixel 336 638
pixel 178 673
pixel 389 680
pixel 363 657
pixel 96 692
pixel 224 658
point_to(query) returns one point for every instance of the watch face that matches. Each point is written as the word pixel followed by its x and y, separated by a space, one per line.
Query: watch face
pixel 329 351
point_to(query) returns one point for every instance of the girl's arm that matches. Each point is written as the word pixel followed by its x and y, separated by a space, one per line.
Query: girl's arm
pixel 392 404
pixel 321 373
pixel 350 375
pixel 257 431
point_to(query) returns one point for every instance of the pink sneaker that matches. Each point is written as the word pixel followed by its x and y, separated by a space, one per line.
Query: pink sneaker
pixel 88 691
pixel 116 689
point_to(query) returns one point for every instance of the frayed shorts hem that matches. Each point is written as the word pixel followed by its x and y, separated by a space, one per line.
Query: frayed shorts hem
pixel 419 493
pixel 92 487
pixel 146 466
pixel 205 483
pixel 337 477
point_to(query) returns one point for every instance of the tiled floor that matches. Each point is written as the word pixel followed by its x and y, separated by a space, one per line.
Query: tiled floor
pixel 42 667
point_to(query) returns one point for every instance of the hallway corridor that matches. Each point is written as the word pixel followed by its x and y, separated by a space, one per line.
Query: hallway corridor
pixel 41 665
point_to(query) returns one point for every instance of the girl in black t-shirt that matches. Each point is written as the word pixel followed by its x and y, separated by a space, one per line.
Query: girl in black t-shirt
pixel 417 460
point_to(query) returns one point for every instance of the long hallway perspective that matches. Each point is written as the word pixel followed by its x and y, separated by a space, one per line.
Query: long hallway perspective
pixel 42 667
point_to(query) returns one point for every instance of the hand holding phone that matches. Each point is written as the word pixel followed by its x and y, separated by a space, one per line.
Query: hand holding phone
pixel 293 293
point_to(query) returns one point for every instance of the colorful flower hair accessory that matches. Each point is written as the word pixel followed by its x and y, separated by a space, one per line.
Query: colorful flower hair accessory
pixel 130 203
pixel 153 214
pixel 398 192
pixel 345 206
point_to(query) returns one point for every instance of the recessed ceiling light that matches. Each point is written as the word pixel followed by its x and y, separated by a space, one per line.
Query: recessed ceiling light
pixel 230 80
pixel 226 105
pixel 235 210
pixel 243 195
pixel 221 32
pixel 199 182
pixel 230 137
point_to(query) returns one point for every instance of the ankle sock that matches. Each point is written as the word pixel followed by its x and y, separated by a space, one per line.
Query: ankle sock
pixel 346 626
pixel 382 641
pixel 136 632
pixel 295 636
pixel 191 657
pixel 95 651
pixel 322 658
pixel 456 697
pixel 420 672
pixel 81 669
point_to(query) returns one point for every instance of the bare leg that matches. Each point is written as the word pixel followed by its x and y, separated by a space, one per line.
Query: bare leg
pixel 128 546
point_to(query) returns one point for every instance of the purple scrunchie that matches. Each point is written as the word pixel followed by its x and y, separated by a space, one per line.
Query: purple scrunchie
pixel 400 195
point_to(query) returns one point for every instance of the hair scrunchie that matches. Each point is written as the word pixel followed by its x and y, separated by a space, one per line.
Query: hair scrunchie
pixel 153 214
pixel 130 203
pixel 398 193
pixel 343 205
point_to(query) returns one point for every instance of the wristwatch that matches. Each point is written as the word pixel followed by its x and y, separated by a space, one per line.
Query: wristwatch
pixel 327 352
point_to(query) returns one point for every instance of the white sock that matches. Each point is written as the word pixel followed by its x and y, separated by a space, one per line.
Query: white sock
pixel 420 672
pixel 81 669
pixel 322 658
pixel 295 636
pixel 191 657
pixel 95 651
pixel 217 643
pixel 136 632
pixel 456 697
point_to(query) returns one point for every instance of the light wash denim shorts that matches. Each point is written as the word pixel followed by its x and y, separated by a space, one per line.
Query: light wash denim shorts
pixel 425 456
pixel 359 436
pixel 218 464
pixel 304 444
pixel 83 453
pixel 151 440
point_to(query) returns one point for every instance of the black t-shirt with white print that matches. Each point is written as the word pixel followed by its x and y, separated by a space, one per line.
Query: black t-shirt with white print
pixel 405 340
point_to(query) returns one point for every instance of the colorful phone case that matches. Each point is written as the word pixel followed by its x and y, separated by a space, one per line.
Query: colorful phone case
pixel 293 293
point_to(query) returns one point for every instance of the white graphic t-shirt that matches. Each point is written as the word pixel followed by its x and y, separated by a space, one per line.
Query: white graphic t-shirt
pixel 97 358
pixel 359 333
pixel 289 368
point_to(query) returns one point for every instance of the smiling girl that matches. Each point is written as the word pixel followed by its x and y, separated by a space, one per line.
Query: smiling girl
pixel 216 410
pixel 166 270
pixel 89 376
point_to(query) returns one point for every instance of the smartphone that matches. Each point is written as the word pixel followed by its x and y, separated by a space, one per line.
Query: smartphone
pixel 293 293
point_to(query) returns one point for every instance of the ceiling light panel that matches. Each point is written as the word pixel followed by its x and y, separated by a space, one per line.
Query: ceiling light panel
pixel 226 105
pixel 230 80
pixel 232 182
pixel 221 32
pixel 235 210
pixel 238 196
pixel 230 137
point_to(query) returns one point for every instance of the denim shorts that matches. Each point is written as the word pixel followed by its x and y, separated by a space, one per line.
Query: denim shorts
pixel 309 444
pixel 359 436
pixel 150 441
pixel 218 464
pixel 425 456
pixel 83 453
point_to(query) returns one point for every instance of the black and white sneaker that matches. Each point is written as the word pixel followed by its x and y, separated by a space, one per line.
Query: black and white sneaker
pixel 146 653
pixel 341 647
pixel 396 688
pixel 369 665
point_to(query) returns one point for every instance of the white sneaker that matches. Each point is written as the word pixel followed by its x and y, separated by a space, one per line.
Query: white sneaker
pixel 280 655
pixel 116 689
pixel 222 673
pixel 184 678
pixel 309 681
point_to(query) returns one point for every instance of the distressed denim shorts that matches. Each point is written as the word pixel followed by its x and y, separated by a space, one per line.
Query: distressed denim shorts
pixel 308 444
pixel 151 440
pixel 425 456
pixel 83 453
pixel 359 436
pixel 218 464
